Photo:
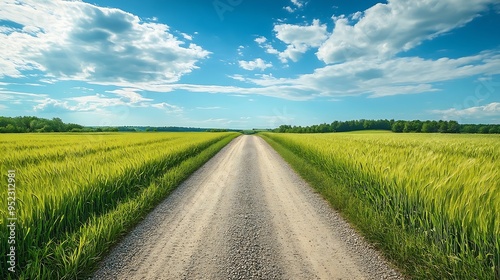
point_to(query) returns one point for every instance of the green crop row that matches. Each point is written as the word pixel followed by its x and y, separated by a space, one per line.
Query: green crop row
pixel 430 202
pixel 76 194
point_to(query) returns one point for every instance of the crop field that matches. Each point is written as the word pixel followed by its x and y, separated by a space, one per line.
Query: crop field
pixel 430 202
pixel 75 194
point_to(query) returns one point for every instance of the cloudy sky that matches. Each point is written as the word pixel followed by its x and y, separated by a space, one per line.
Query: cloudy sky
pixel 250 63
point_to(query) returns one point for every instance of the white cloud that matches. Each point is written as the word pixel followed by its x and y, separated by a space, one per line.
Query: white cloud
pixel 130 95
pixel 101 103
pixel 187 36
pixel 240 50
pixel 83 88
pixel 375 78
pixel 261 40
pixel 372 77
pixel 299 39
pixel 54 105
pixel 387 29
pixel 209 108
pixel 297 3
pixel 308 35
pixel 90 103
pixel 167 107
pixel 79 41
pixel 237 77
pixel 477 112
pixel 357 15
pixel 258 63
pixel 17 93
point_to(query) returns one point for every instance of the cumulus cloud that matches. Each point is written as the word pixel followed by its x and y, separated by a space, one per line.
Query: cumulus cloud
pixel 377 78
pixel 187 36
pixel 53 105
pixel 489 110
pixel 130 95
pixel 296 4
pixel 261 40
pixel 399 25
pixel 361 51
pixel 167 107
pixel 80 41
pixel 258 63
pixel 263 43
pixel 124 97
pixel 298 38
pixel 88 103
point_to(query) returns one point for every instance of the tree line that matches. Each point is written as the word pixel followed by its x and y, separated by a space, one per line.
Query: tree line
pixel 35 124
pixel 392 125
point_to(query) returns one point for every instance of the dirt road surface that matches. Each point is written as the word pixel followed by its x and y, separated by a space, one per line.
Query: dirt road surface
pixel 244 215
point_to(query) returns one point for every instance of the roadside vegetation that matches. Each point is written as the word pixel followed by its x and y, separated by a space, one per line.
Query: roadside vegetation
pixel 430 202
pixel 76 195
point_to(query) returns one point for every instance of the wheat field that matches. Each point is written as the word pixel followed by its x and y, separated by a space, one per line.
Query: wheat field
pixel 431 201
pixel 75 194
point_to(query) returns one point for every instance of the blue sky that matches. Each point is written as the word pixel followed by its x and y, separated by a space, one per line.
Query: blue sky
pixel 250 64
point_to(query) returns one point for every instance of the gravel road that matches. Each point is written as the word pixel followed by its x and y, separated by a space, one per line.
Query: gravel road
pixel 244 215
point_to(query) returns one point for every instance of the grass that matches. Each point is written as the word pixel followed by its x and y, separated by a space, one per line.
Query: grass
pixel 430 202
pixel 76 195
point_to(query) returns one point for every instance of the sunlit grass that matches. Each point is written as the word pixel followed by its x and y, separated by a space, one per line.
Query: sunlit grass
pixel 432 202
pixel 76 193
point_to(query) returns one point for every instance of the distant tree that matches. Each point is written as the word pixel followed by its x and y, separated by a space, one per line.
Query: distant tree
pixel 429 127
pixel 398 126
pixel 10 128
pixel 494 129
pixel 469 129
pixel 443 127
pixel 484 129
pixel 453 127
pixel 412 126
pixel 57 125
pixel 323 128
pixel 395 126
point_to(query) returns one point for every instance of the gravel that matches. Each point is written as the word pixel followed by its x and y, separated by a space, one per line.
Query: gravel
pixel 244 215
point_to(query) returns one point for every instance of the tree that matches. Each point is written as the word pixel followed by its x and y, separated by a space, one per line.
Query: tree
pixel 443 127
pixel 430 127
pixel 398 126
pixel 469 129
pixel 57 125
pixel 494 129
pixel 10 128
pixel 484 129
pixel 453 127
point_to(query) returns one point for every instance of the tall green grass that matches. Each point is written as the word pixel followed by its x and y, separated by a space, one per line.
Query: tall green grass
pixel 431 202
pixel 76 195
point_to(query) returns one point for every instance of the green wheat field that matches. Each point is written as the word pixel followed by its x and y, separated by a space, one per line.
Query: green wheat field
pixel 76 194
pixel 431 202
